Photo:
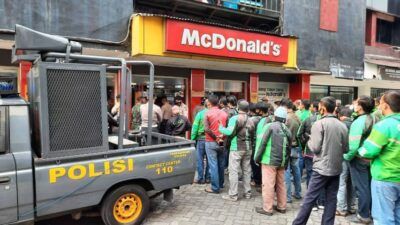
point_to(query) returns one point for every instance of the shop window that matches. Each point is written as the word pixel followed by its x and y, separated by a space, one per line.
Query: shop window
pixel 225 88
pixel 384 31
pixel 169 87
pixel 346 95
pixel 318 92
pixel 378 92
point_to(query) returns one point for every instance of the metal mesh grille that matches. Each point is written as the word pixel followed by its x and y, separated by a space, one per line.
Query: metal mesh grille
pixel 74 104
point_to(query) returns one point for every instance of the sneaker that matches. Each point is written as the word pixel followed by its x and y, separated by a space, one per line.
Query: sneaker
pixel 247 195
pixel 283 211
pixel 297 197
pixel 341 213
pixel 289 201
pixel 359 220
pixel 262 211
pixel 230 198
pixel 321 207
pixel 315 208
pixel 352 211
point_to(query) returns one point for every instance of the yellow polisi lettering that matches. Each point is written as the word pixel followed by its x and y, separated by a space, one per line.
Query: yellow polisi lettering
pixel 107 167
pixel 55 173
pixel 130 164
pixel 77 172
pixel 118 166
pixel 92 171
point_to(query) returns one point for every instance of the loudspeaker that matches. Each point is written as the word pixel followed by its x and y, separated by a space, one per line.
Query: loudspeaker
pixel 69 109
pixel 28 39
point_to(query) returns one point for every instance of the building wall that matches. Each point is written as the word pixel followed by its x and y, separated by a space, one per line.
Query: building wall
pixel 96 19
pixel 387 6
pixel 319 49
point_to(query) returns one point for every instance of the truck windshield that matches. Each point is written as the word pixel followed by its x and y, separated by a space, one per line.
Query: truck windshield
pixel 3 134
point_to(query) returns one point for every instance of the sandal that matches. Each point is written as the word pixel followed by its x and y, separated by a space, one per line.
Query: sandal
pixel 209 190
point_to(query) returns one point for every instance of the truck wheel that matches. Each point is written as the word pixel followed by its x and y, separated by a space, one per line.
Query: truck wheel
pixel 127 205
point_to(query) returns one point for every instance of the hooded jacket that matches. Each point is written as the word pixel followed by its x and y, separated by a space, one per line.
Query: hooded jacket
pixel 274 147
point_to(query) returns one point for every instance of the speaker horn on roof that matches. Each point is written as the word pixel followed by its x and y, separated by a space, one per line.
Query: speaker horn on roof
pixel 28 39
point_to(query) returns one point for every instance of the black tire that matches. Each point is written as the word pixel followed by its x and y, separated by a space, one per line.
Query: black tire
pixel 125 198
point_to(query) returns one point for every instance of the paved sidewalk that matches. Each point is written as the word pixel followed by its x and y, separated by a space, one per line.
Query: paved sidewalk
pixel 193 206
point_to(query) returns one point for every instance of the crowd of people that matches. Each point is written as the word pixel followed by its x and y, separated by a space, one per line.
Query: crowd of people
pixel 166 118
pixel 349 155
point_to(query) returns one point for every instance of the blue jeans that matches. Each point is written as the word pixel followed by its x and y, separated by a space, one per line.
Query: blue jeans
pixel 216 162
pixel 301 161
pixel 203 174
pixel 361 178
pixel 308 163
pixel 385 202
pixel 346 194
pixel 293 169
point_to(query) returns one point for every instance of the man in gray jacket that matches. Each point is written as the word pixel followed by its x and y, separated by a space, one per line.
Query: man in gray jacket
pixel 328 141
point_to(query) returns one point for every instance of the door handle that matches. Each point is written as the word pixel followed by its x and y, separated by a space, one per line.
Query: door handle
pixel 4 180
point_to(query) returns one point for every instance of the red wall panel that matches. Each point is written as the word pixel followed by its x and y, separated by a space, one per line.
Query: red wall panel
pixel 301 88
pixel 329 15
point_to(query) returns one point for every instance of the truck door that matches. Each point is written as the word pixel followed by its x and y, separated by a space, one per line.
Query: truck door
pixel 8 181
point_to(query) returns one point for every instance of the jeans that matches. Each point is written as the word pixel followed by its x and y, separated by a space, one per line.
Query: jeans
pixel 361 178
pixel 346 194
pixel 203 174
pixel 308 163
pixel 216 159
pixel 317 183
pixel 293 169
pixel 385 202
pixel 301 161
pixel 239 161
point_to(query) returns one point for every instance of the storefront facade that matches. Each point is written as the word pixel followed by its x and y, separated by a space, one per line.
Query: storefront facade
pixel 212 58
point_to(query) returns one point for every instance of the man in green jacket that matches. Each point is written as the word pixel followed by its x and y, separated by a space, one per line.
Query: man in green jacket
pixel 359 167
pixel 240 129
pixel 273 154
pixel 198 135
pixel 383 148
pixel 303 111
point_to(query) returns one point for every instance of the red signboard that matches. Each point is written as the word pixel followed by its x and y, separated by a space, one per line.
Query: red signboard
pixel 195 38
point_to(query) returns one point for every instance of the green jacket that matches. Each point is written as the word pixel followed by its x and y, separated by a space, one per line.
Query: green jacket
pixel 260 130
pixel 198 132
pixel 357 134
pixel 274 147
pixel 303 114
pixel 383 147
pixel 240 130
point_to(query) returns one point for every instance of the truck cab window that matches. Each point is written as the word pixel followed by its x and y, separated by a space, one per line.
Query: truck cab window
pixel 3 130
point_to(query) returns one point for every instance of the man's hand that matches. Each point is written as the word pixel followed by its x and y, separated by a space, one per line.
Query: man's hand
pixel 347 157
